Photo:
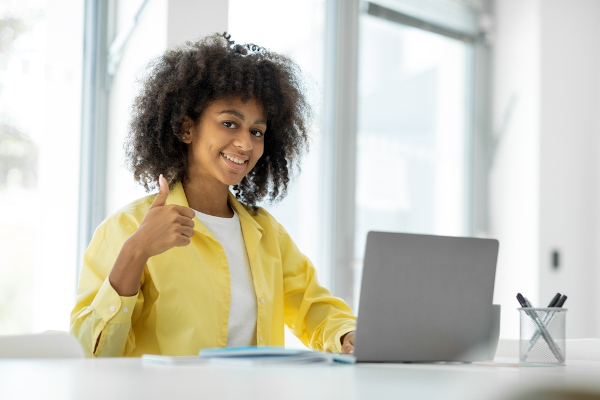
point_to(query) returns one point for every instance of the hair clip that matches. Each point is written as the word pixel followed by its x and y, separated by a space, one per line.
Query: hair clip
pixel 242 49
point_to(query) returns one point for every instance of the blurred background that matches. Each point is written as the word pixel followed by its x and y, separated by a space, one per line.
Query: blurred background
pixel 450 117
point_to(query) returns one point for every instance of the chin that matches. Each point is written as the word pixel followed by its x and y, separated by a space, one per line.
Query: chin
pixel 233 179
pixel 232 182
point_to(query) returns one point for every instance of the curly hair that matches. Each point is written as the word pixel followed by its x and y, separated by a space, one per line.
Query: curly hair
pixel 185 80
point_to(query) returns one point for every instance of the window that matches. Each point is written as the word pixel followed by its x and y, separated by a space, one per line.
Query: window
pixel 414 132
pixel 41 45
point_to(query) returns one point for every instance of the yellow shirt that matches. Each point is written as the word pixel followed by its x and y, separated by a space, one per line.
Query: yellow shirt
pixel 183 302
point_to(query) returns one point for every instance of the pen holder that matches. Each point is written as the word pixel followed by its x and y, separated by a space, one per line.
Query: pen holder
pixel 542 338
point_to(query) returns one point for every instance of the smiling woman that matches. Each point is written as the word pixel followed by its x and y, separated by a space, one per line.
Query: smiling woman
pixel 198 265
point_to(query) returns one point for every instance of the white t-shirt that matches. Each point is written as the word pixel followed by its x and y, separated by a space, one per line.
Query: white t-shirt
pixel 243 306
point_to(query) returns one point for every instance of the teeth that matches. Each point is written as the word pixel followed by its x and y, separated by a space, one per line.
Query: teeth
pixel 234 159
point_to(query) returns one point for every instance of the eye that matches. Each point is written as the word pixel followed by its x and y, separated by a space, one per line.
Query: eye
pixel 257 133
pixel 229 124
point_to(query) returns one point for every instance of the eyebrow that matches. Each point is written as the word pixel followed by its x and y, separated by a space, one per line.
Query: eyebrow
pixel 240 116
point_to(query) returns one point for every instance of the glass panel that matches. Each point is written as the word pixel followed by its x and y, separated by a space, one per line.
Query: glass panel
pixel 413 133
pixel 41 45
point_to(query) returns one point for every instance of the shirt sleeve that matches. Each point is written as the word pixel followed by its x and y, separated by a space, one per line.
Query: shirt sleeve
pixel 101 319
pixel 314 315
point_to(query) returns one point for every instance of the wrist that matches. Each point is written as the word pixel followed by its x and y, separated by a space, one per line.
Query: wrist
pixel 135 251
pixel 343 337
pixel 126 273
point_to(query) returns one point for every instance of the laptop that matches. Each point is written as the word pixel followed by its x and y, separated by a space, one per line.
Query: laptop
pixel 425 298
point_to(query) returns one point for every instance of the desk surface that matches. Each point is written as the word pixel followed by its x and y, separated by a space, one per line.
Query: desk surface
pixel 132 379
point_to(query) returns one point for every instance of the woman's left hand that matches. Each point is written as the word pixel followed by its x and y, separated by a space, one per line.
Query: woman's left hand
pixel 348 343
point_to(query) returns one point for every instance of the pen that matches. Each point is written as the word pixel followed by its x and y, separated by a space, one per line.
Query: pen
pixel 542 328
pixel 554 300
pixel 561 302
pixel 557 302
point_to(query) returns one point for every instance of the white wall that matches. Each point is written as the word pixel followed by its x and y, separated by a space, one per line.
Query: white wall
pixel 191 19
pixel 514 175
pixel 570 128
pixel 545 177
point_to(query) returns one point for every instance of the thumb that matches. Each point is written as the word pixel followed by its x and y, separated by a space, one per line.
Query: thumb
pixel 163 193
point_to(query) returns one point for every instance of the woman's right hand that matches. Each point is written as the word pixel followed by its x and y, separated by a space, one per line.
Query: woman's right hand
pixel 164 226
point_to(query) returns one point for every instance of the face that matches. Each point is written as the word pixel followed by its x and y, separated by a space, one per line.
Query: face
pixel 226 142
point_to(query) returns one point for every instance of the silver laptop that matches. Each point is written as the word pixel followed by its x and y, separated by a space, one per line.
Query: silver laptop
pixel 425 298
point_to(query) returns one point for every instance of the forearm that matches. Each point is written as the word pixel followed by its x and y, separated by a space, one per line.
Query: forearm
pixel 126 273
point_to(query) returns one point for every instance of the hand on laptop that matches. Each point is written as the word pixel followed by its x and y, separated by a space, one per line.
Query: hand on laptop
pixel 348 343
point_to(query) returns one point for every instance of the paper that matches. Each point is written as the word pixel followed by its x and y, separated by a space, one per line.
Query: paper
pixel 252 355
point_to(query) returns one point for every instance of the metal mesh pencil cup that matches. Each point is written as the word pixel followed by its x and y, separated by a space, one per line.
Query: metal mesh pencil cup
pixel 542 338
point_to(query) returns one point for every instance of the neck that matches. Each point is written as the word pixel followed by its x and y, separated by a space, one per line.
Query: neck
pixel 208 199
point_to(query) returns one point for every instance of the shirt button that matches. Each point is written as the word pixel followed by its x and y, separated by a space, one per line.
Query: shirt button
pixel 111 308
pixel 262 300
pixel 260 338
pixel 125 309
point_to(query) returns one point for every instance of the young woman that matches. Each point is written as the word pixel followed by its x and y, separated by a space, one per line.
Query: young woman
pixel 197 265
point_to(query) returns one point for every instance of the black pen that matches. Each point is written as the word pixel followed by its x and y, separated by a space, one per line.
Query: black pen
pixel 561 302
pixel 555 300
pixel 522 301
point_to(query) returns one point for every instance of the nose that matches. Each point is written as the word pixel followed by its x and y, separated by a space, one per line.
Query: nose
pixel 243 141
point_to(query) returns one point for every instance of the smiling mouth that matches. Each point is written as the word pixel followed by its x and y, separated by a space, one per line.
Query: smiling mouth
pixel 234 159
pixel 234 162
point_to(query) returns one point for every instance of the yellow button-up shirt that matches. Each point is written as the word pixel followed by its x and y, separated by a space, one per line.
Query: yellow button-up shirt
pixel 183 302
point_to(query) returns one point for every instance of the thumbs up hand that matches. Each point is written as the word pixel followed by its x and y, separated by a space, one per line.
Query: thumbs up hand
pixel 164 226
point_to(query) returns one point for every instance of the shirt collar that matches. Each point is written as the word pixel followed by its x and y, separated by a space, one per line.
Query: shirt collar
pixel 177 196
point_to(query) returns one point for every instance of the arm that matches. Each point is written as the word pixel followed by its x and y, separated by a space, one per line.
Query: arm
pixel 163 227
pixel 313 314
pixel 109 299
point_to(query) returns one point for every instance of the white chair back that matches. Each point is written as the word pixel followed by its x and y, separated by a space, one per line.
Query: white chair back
pixel 52 344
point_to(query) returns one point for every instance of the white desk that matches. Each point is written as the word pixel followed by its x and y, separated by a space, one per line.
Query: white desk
pixel 104 379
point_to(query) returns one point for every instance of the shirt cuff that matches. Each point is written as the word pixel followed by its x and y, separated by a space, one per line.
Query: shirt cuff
pixel 336 346
pixel 112 307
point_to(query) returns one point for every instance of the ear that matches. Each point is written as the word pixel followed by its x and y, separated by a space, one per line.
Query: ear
pixel 186 126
